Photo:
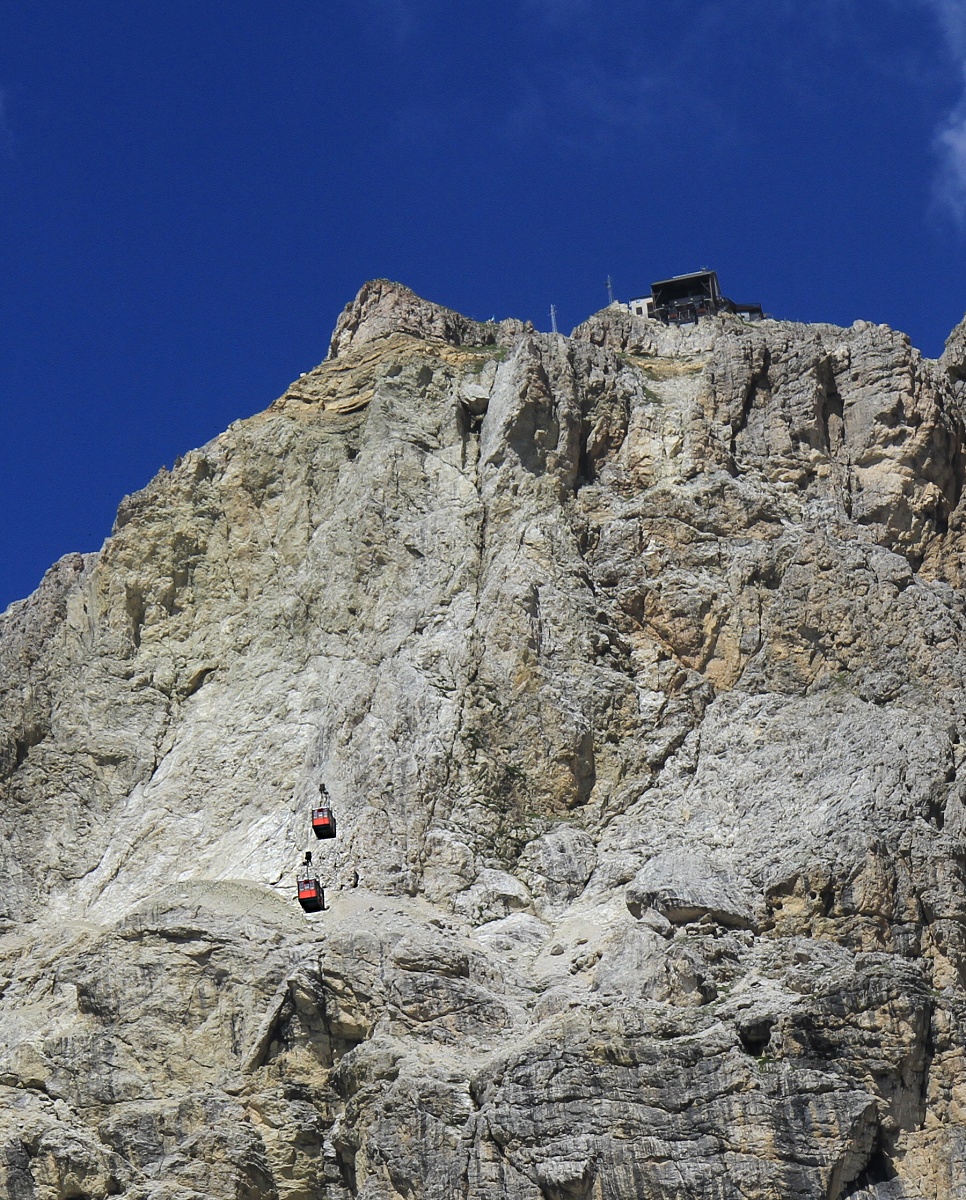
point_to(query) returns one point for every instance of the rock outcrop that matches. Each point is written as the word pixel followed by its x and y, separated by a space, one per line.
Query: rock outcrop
pixel 634 665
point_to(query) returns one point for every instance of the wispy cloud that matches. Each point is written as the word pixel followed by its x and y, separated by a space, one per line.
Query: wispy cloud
pixel 951 146
pixel 603 83
pixel 951 15
pixel 951 135
pixel 581 106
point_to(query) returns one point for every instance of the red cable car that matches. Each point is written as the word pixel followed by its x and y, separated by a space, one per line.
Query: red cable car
pixel 323 823
pixel 311 894
pixel 309 890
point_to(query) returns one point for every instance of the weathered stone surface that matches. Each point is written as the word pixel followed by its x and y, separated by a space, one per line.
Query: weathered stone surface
pixel 686 887
pixel 633 663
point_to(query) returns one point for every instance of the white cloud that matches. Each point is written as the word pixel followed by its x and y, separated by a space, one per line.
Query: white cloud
pixel 951 15
pixel 951 182
pixel 950 186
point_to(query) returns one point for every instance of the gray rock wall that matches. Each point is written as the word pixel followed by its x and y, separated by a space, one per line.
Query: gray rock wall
pixel 633 663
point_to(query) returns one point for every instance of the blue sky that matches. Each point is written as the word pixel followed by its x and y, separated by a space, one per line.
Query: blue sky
pixel 191 192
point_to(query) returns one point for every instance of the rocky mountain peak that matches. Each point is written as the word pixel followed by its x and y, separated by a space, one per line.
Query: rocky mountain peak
pixel 382 308
pixel 632 662
pixel 954 354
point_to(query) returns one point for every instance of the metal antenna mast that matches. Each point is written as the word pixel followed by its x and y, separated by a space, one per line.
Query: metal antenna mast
pixel 610 291
pixel 553 317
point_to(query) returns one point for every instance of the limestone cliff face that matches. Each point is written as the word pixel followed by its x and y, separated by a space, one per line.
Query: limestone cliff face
pixel 635 665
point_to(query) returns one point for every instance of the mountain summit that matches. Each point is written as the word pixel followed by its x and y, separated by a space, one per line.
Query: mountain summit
pixel 634 665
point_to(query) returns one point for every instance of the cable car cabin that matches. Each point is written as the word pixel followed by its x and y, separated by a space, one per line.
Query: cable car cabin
pixel 310 893
pixel 686 298
pixel 323 823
